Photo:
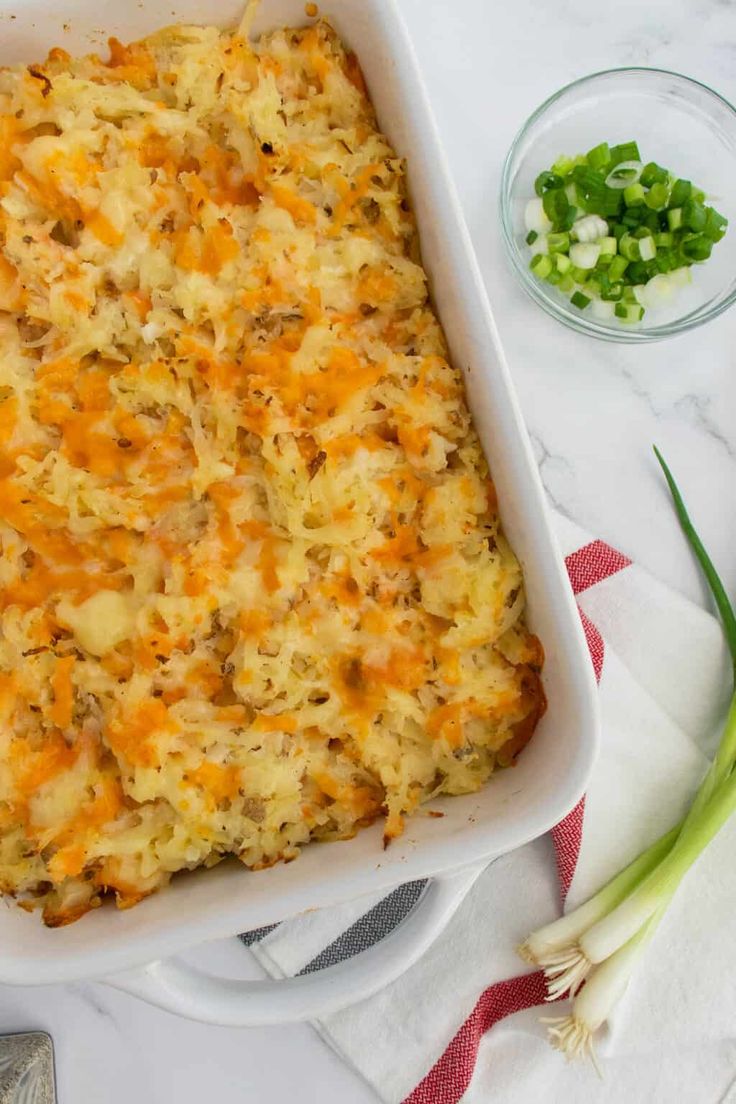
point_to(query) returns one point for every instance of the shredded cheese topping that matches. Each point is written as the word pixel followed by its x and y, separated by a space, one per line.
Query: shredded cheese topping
pixel 252 585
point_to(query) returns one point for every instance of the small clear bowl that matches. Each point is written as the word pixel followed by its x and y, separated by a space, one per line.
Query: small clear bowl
pixel 677 122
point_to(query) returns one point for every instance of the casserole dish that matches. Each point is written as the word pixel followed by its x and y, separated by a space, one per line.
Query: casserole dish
pixel 519 804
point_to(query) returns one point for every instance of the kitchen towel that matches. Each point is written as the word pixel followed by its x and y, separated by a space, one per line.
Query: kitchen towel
pixel 463 1022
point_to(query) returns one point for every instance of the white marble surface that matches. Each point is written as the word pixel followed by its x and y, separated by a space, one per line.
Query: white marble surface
pixel 592 410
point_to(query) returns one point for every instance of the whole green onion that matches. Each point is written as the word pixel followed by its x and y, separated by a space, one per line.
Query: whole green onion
pixel 600 942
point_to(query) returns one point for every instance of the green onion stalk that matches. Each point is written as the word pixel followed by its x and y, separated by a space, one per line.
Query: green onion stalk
pixel 600 942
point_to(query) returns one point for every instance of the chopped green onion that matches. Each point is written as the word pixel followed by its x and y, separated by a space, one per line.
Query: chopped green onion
pixel 629 312
pixel 558 242
pixel 589 228
pixel 619 228
pixel 563 166
pixel 547 181
pixel 697 248
pixel 617 268
pixel 694 214
pixel 680 276
pixel 535 218
pixel 540 245
pixel 632 217
pixel 647 249
pixel 637 273
pixel 634 194
pixel 579 300
pixel 584 254
pixel 652 220
pixel 667 260
pixel 587 181
pixel 674 218
pixel 567 220
pixel 681 190
pixel 627 151
pixel 598 281
pixel 652 173
pixel 715 224
pixel 656 197
pixel 597 198
pixel 599 156
pixel 628 247
pixel 628 172
pixel 556 205
pixel 602 310
pixel 541 265
pixel 656 291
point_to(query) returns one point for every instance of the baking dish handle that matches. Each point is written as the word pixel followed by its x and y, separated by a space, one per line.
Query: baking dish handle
pixel 180 988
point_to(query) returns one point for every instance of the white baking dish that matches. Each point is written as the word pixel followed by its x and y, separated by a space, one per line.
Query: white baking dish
pixel 518 804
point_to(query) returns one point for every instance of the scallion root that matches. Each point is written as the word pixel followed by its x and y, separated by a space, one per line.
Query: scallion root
pixel 565 971
pixel 572 1037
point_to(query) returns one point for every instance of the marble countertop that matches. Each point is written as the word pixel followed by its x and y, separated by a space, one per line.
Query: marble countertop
pixel 592 410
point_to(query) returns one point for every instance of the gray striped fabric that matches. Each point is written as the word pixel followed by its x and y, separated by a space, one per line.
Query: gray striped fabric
pixel 256 935
pixel 367 930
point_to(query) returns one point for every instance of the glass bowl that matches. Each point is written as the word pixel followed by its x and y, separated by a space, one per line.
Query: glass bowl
pixel 677 122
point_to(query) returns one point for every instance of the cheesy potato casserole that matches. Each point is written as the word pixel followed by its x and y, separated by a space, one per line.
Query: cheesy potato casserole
pixel 253 589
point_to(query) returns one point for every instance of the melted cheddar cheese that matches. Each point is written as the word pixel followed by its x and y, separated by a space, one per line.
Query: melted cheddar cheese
pixel 252 585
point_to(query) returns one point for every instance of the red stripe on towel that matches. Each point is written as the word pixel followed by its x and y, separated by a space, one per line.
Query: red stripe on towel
pixel 595 644
pixel 592 564
pixel 451 1074
pixel 567 837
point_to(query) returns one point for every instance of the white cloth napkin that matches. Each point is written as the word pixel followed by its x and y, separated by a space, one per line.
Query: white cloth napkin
pixel 664 686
